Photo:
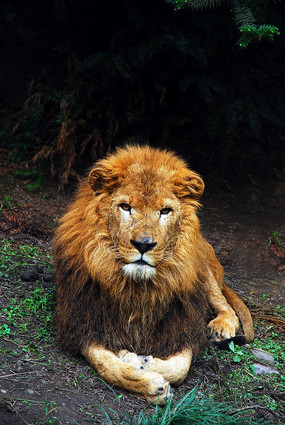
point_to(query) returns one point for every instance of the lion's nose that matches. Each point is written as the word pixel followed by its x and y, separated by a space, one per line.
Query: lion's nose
pixel 143 245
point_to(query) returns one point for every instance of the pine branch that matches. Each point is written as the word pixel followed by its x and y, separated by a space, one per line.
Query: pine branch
pixel 243 17
pixel 242 14
pixel 251 33
pixel 195 4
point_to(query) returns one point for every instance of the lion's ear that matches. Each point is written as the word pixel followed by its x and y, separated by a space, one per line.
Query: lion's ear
pixel 188 184
pixel 103 179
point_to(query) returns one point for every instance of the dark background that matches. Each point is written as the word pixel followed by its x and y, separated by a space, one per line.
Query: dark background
pixel 80 77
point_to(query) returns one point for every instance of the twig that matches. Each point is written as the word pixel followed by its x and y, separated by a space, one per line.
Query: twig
pixel 35 362
pixel 255 406
pixel 14 374
pixel 12 407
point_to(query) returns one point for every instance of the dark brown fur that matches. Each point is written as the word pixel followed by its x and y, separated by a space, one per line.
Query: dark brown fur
pixel 91 315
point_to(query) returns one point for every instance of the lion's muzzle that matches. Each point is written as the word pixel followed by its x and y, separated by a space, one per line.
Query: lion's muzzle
pixel 143 245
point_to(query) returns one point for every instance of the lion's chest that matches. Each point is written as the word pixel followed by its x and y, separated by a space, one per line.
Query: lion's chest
pixel 156 331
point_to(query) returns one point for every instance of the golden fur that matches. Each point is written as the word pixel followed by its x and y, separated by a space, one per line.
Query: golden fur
pixel 135 277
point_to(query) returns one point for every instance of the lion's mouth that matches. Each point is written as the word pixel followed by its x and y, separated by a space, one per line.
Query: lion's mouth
pixel 141 262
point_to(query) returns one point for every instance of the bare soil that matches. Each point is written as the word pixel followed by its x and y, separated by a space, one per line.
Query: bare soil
pixel 53 387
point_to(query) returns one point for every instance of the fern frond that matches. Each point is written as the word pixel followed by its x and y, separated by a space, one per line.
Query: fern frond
pixel 242 14
pixel 195 4
pixel 205 4
pixel 113 64
pixel 251 33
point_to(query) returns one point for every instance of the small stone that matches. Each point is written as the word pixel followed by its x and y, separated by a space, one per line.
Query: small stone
pixel 28 276
pixel 48 277
pixel 263 355
pixel 38 269
pixel 3 391
pixel 29 391
pixel 260 369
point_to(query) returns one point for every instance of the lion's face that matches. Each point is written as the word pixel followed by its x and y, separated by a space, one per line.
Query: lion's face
pixel 144 225
pixel 146 198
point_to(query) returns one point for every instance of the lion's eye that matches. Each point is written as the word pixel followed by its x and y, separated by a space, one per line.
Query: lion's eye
pixel 165 211
pixel 125 207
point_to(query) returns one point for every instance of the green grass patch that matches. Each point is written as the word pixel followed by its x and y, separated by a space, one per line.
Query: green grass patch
pixel 20 314
pixel 238 385
pixel 192 409
pixel 29 308
pixel 14 257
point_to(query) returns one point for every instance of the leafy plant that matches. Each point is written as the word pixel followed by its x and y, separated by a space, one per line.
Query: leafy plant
pixel 173 79
pixel 251 32
pixel 243 17
pixel 238 352
pixel 274 239
pixel 35 175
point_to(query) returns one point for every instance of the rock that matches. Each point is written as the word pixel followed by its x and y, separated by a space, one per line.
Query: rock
pixel 29 391
pixel 263 355
pixel 29 276
pixel 260 369
pixel 49 277
pixel 36 272
pixel 38 269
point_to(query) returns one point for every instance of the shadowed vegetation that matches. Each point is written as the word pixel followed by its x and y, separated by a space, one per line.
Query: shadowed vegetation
pixel 85 76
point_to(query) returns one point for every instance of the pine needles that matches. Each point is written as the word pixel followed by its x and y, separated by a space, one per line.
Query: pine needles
pixel 243 18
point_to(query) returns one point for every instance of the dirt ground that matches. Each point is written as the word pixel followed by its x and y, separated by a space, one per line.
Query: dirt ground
pixel 53 387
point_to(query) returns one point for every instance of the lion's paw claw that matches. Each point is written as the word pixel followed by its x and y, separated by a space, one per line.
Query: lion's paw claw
pixel 220 329
pixel 164 394
pixel 146 360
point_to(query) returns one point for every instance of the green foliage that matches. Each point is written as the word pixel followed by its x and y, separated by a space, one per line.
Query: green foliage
pixel 109 63
pixel 274 239
pixel 243 17
pixel 238 352
pixel 192 409
pixel 13 257
pixel 37 302
pixel 195 4
pixel 242 14
pixel 35 176
pixel 6 202
pixel 152 74
pixel 236 382
pixel 251 33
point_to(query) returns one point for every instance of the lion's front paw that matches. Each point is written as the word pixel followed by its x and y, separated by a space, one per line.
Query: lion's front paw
pixel 151 385
pixel 142 362
pixel 159 391
pixel 146 361
pixel 132 358
pixel 223 327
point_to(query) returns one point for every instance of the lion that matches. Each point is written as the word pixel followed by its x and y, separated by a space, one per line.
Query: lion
pixel 135 278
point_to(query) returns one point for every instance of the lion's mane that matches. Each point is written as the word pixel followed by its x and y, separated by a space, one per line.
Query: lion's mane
pixel 96 301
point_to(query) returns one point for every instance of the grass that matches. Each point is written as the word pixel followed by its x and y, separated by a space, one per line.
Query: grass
pixel 191 409
pixel 19 314
pixel 30 310
pixel 236 382
pixel 14 257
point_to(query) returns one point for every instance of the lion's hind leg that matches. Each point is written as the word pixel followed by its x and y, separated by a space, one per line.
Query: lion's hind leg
pixel 127 373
